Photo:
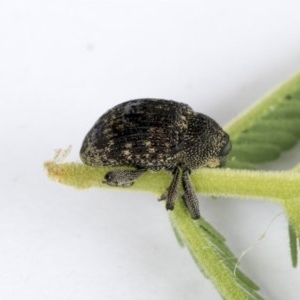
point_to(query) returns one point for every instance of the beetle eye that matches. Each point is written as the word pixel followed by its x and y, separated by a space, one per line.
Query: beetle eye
pixel 226 149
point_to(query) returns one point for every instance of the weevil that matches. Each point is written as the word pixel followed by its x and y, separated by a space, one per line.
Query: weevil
pixel 155 135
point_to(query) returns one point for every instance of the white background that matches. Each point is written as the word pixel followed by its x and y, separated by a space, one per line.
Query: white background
pixel 63 64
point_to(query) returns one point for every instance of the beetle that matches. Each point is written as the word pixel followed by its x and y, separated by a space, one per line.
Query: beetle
pixel 156 134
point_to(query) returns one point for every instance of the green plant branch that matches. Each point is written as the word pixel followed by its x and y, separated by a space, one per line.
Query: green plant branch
pixel 259 135
pixel 206 245
pixel 279 186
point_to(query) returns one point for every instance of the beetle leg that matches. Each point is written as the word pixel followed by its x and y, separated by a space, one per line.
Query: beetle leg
pixel 189 196
pixel 123 178
pixel 172 192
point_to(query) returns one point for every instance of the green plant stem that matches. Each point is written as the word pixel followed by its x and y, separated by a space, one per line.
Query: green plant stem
pixel 280 186
pixel 272 185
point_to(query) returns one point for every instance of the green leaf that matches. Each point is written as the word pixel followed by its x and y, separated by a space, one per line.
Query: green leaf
pixel 267 129
pixel 293 245
pixel 212 256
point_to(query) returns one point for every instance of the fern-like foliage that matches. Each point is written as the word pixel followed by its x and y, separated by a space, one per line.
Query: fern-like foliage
pixel 272 126
pixel 265 131
pixel 207 246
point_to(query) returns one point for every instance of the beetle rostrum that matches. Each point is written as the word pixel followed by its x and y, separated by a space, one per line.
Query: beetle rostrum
pixel 156 134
